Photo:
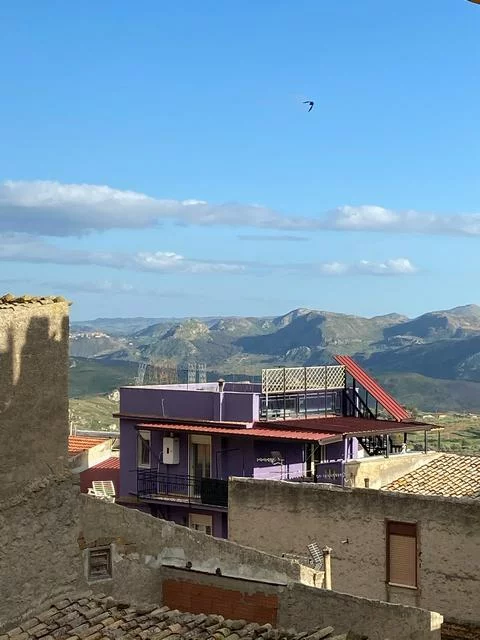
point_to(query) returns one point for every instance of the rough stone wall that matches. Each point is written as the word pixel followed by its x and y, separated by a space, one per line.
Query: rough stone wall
pixel 352 522
pixel 39 557
pixel 33 393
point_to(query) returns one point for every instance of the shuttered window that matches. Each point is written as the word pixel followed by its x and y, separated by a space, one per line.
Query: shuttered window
pixel 99 563
pixel 402 554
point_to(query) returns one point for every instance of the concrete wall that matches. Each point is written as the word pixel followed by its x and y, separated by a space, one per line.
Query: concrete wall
pixel 381 471
pixel 39 557
pixel 149 565
pixel 353 523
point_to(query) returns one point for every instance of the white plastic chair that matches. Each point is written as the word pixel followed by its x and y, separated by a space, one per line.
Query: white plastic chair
pixel 103 489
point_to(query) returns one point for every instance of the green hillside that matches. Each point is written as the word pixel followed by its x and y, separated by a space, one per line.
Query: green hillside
pixel 92 377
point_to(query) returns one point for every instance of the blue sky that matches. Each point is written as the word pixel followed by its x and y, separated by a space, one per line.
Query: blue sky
pixel 156 158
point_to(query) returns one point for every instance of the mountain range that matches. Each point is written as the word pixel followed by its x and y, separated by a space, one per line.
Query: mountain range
pixel 440 345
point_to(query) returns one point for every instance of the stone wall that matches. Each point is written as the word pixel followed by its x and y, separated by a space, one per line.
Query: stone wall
pixel 353 523
pixel 39 557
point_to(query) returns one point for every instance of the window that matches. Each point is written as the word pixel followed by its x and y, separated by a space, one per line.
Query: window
pixel 99 564
pixel 402 554
pixel 144 453
pixel 202 523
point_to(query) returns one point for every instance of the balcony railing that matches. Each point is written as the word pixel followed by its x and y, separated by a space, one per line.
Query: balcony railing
pixel 182 488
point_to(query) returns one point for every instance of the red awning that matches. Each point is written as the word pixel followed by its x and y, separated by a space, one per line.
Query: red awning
pixel 254 432
pixel 374 389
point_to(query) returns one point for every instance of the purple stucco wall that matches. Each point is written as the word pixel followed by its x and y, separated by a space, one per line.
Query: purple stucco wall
pixel 189 404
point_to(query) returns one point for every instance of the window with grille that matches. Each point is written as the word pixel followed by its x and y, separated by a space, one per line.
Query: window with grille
pixel 99 563
pixel 402 554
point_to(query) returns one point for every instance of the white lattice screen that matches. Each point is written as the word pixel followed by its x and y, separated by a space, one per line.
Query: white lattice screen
pixel 296 379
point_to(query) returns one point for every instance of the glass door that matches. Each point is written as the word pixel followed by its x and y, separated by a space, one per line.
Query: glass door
pixel 200 461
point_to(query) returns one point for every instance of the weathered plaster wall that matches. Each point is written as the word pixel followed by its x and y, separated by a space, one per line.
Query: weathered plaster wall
pixel 377 620
pixel 38 503
pixel 381 471
pixel 352 522
pixel 149 564
pixel 155 542
pixel 33 393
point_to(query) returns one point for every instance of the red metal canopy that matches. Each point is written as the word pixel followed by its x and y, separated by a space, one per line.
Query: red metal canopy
pixel 304 435
pixel 374 389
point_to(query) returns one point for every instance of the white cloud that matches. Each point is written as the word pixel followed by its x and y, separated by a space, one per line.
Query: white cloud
pixel 395 267
pixel 56 209
pixel 373 218
pixel 108 287
pixel 52 208
pixel 23 248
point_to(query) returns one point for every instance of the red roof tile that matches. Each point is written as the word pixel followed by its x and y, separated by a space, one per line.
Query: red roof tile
pixel 369 384
pixel 77 444
pixel 111 463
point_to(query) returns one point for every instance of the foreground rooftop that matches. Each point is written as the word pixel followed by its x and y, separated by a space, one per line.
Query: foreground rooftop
pixel 97 617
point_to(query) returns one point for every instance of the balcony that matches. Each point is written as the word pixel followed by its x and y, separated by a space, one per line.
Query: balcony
pixel 181 488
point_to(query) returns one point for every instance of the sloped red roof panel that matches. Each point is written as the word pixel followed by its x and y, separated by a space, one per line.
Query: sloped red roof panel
pixel 387 401
pixel 111 463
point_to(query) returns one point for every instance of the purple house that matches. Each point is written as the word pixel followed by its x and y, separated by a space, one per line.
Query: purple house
pixel 179 444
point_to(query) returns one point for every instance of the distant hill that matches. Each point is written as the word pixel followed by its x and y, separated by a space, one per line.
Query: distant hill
pixel 439 345
pixel 459 322
pixel 447 359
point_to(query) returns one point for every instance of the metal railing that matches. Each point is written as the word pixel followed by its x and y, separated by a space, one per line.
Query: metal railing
pixel 208 491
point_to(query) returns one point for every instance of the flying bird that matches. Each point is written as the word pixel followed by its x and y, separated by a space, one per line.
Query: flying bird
pixel 310 103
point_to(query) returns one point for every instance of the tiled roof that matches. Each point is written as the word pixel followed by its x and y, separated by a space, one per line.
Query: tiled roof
pixel 9 301
pixel 77 444
pixel 254 432
pixel 98 616
pixel 111 463
pixel 449 475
